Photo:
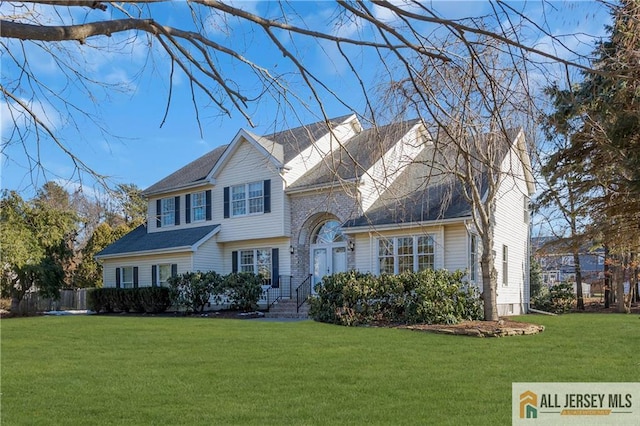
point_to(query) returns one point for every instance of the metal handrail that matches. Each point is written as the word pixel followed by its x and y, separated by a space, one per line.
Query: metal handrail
pixel 303 292
pixel 273 294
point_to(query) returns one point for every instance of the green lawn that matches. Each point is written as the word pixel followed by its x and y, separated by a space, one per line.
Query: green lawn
pixel 133 371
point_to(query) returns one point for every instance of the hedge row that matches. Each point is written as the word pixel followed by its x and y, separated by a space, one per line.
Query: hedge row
pixel 431 297
pixel 151 300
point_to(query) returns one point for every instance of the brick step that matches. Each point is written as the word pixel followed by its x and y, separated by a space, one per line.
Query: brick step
pixel 286 308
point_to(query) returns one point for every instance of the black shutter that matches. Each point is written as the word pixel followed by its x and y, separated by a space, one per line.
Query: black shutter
pixel 208 204
pixel 267 196
pixel 187 208
pixel 275 270
pixel 154 275
pixel 234 261
pixel 158 213
pixel 174 269
pixel 177 210
pixel 135 277
pixel 117 277
pixel 226 201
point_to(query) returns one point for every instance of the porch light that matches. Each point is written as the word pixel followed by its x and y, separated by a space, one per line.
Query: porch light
pixel 351 245
pixel 291 249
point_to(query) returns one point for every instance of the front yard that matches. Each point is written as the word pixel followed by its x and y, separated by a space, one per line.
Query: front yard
pixel 158 370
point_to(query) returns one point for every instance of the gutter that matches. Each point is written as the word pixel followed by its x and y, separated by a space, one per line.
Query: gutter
pixel 404 225
pixel 322 186
pixel 145 252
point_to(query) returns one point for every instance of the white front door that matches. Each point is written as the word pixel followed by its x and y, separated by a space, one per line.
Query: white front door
pixel 327 259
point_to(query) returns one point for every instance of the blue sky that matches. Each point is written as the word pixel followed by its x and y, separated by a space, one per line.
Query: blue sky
pixel 134 148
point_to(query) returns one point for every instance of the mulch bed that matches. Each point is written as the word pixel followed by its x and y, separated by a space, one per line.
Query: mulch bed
pixel 480 328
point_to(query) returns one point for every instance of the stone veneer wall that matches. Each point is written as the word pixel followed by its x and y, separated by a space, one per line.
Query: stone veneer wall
pixel 310 209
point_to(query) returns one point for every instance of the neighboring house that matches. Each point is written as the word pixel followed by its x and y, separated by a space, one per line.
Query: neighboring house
pixel 306 202
pixel 558 265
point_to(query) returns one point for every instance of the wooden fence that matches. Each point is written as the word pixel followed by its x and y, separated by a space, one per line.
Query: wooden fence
pixel 70 299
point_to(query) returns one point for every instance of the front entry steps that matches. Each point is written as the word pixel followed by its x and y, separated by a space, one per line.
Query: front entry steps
pixel 286 308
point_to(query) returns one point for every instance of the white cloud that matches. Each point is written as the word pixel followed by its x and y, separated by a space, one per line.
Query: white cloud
pixel 12 115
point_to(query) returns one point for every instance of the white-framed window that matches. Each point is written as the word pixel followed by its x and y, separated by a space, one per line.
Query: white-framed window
pixel 238 200
pixel 168 211
pixel 473 257
pixel 198 206
pixel 412 253
pixel 247 199
pixel 256 261
pixel 126 277
pixel 164 273
pixel 505 265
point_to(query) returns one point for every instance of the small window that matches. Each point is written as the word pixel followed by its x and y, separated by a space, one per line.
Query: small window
pixel 426 253
pixel 405 254
pixel 385 256
pixel 473 258
pixel 238 201
pixel 164 273
pixel 505 265
pixel 198 206
pixel 256 261
pixel 126 280
pixel 168 214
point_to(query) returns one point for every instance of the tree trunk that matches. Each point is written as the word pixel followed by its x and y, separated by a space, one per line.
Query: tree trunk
pixel 619 288
pixel 489 285
pixel 578 271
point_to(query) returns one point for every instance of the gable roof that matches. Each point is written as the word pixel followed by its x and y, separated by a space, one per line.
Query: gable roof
pixel 297 139
pixel 426 191
pixel 193 173
pixel 139 241
pixel 356 156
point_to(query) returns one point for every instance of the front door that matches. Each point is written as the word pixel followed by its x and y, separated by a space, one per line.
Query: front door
pixel 327 259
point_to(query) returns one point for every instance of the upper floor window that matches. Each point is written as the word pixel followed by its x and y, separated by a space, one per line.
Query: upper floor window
pixel 412 253
pixel 167 211
pixel 247 199
pixel 198 206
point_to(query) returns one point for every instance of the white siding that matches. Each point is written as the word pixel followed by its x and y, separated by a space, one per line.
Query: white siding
pixel 247 165
pixel 209 257
pixel 512 230
pixel 144 263
pixel 456 247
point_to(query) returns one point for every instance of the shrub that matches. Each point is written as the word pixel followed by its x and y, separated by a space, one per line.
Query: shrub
pixel 144 299
pixel 558 298
pixel 429 296
pixel 154 299
pixel 192 290
pixel 243 290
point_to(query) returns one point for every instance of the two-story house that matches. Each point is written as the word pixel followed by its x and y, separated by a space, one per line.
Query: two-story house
pixel 297 205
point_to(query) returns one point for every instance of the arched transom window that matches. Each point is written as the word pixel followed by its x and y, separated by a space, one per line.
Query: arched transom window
pixel 330 232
